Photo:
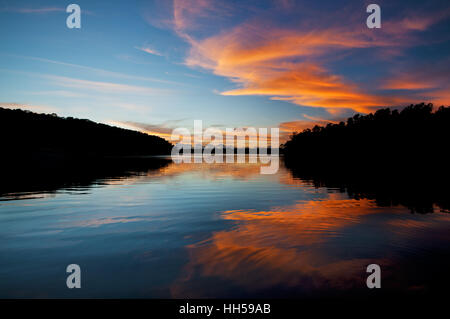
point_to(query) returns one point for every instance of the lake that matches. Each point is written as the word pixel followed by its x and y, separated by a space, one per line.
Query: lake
pixel 215 230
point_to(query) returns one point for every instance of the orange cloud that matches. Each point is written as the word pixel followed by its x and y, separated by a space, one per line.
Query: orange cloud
pixel 283 63
pixel 309 85
pixel 284 246
pixel 259 61
pixel 295 246
pixel 406 83
pixel 429 83
pixel 440 97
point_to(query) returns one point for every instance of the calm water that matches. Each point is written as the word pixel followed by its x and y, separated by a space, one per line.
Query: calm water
pixel 199 230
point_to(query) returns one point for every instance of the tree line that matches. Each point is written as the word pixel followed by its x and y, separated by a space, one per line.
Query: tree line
pixel 24 132
pixel 394 157
pixel 387 137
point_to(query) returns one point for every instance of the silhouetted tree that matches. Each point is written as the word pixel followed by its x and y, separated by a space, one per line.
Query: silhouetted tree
pixel 391 156
pixel 44 152
pixel 378 138
pixel 26 132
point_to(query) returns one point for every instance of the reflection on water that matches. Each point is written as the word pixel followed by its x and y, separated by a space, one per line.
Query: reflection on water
pixel 44 177
pixel 215 230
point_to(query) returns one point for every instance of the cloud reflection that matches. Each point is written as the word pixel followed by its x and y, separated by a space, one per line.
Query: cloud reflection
pixel 287 246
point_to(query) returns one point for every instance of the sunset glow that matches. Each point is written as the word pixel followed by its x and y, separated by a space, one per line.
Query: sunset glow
pixel 231 64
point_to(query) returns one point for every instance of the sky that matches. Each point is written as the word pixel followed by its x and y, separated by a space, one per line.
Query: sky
pixel 157 65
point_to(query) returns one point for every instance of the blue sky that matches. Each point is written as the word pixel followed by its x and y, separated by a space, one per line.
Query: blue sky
pixel 156 65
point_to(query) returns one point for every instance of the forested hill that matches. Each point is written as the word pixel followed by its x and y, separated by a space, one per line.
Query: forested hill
pixel 25 132
pixel 416 137
pixel 392 157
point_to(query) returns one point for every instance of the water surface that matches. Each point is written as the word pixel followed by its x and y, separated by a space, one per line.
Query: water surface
pixel 214 230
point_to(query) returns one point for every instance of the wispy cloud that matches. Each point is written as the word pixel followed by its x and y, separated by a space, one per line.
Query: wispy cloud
pixel 267 57
pixel 29 107
pixel 161 130
pixel 103 87
pixel 97 71
pixel 33 10
pixel 89 85
pixel 266 62
pixel 42 10
pixel 62 93
pixel 429 82
pixel 149 50
pixel 187 13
